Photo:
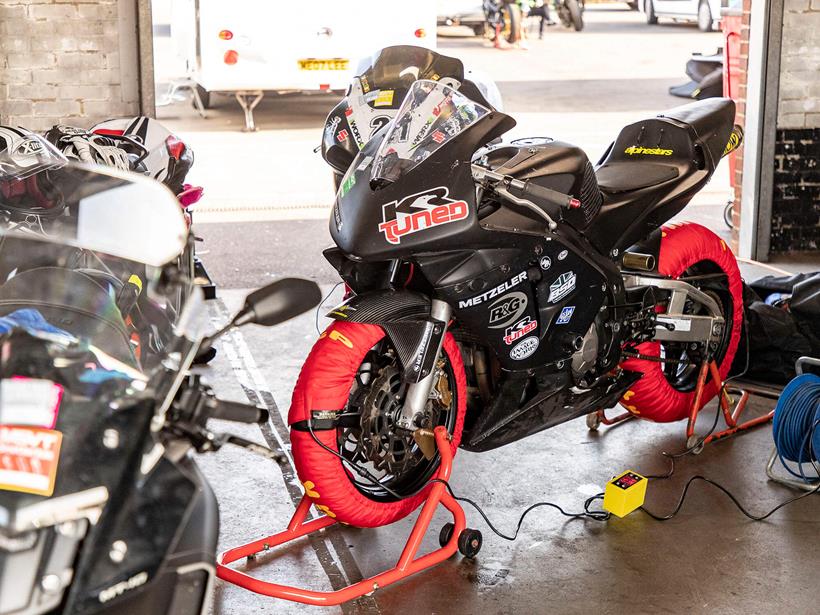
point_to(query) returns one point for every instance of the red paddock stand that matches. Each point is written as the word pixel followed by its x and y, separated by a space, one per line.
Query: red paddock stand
pixel 454 537
pixel 730 416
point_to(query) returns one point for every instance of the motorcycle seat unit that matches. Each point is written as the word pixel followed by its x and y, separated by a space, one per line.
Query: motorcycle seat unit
pixel 658 150
pixel 655 166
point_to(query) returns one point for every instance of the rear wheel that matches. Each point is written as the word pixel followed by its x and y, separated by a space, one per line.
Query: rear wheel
pixel 666 389
pixel 353 369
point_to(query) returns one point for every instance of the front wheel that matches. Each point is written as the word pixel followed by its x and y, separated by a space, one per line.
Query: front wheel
pixel 351 385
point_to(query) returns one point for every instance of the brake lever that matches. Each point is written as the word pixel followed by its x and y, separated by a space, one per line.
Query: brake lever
pixel 501 183
pixel 206 441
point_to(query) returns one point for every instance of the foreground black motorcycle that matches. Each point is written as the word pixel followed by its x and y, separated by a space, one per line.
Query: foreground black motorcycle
pixel 102 508
pixel 501 289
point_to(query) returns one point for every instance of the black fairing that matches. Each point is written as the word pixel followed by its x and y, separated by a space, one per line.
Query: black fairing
pixel 172 522
pixel 359 212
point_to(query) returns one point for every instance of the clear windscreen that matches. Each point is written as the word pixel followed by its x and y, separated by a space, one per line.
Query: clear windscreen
pixel 118 213
pixel 396 68
pixel 81 253
pixel 83 301
pixel 431 115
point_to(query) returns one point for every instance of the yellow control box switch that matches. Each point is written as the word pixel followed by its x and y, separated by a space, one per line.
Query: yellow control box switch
pixel 625 493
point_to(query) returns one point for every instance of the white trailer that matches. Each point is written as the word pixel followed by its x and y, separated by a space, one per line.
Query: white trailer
pixel 248 47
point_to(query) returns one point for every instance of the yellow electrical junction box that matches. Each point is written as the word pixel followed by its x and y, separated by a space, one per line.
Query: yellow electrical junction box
pixel 625 493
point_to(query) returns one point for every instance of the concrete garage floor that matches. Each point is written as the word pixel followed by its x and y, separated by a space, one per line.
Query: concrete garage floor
pixel 259 224
pixel 708 559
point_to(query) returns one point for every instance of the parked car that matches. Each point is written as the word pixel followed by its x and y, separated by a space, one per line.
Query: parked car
pixel 468 13
pixel 706 13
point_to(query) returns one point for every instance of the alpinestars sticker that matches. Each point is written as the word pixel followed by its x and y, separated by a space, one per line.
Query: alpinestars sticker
pixel 420 211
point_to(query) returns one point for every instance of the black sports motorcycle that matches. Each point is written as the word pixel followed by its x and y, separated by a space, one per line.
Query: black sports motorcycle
pixel 503 288
pixel 102 508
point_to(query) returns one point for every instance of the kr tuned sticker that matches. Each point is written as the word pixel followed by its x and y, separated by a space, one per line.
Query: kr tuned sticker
pixel 563 285
pixel 524 348
pixel 493 292
pixel 507 310
pixel 420 211
pixel 519 330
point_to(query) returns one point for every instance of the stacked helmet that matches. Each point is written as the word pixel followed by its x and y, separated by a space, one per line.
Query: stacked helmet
pixel 27 192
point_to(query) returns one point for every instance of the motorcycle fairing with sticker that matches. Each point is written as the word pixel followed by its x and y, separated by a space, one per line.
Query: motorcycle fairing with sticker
pixel 523 244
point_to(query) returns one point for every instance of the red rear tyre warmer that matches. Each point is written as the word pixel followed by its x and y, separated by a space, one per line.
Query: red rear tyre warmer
pixel 324 384
pixel 652 397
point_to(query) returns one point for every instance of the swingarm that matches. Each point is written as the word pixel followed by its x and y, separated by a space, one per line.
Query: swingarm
pixel 674 324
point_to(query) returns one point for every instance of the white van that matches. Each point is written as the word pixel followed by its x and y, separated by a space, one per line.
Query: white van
pixel 247 47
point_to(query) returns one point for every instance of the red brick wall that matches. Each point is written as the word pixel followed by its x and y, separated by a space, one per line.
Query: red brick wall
pixel 741 117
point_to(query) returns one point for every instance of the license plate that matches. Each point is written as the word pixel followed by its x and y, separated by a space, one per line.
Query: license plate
pixel 324 64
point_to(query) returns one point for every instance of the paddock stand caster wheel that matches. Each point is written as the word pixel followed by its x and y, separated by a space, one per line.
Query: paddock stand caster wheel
pixel 445 534
pixel 593 421
pixel 695 444
pixel 469 543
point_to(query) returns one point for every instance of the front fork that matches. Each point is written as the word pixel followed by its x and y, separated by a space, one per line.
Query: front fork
pixel 419 392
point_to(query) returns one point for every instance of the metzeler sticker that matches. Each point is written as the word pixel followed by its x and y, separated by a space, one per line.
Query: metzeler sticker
pixel 562 286
pixel 519 330
pixel 420 211
pixel 28 459
pixel 493 292
pixel 566 315
pixel 524 348
pixel 507 309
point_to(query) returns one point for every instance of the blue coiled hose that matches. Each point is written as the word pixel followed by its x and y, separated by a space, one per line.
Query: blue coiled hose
pixel 796 425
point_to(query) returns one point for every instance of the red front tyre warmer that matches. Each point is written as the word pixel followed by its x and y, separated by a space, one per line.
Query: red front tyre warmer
pixel 652 397
pixel 324 384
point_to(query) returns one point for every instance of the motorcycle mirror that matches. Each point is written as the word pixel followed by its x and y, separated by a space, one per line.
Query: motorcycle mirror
pixel 267 306
pixel 278 302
